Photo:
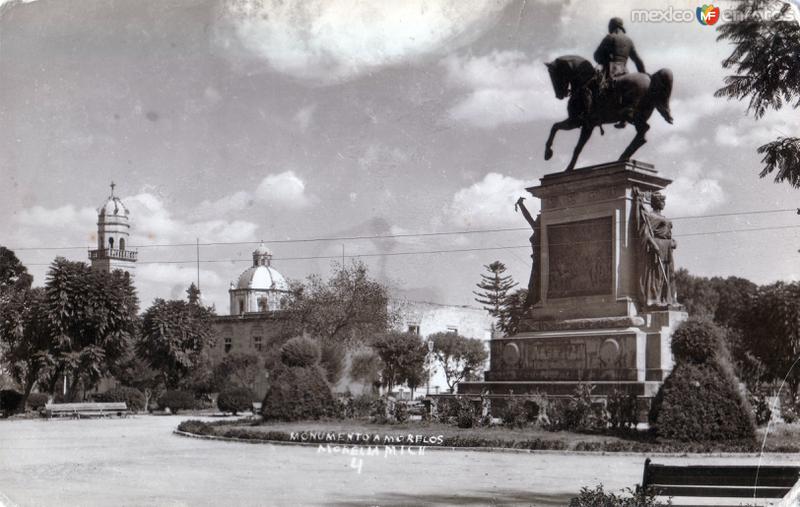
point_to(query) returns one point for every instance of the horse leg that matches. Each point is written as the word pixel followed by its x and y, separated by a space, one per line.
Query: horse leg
pixel 586 132
pixel 567 124
pixel 638 141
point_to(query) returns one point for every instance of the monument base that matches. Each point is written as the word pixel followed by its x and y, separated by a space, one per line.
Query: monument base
pixel 592 283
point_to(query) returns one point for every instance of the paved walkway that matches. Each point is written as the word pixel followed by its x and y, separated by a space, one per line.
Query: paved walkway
pixel 138 461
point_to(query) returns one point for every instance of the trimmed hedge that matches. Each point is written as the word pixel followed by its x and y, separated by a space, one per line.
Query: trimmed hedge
pixel 300 352
pixel 132 397
pixel 696 341
pixel 10 401
pixel 298 393
pixel 177 400
pixel 698 402
pixel 234 400
pixel 700 399
pixel 37 401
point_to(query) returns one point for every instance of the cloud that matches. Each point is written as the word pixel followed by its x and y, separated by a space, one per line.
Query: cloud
pixel 750 132
pixel 488 203
pixel 304 116
pixel 285 189
pixel 329 41
pixel 692 194
pixel 503 87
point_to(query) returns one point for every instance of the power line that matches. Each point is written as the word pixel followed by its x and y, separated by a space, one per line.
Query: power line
pixel 385 236
pixel 455 250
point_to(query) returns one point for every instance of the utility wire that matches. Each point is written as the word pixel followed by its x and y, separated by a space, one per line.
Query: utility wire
pixel 456 250
pixel 386 236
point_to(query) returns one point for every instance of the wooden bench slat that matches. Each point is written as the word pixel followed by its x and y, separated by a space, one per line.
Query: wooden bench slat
pixel 728 481
pixel 783 476
pixel 719 492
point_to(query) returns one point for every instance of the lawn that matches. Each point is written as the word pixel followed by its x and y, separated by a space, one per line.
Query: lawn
pixel 784 438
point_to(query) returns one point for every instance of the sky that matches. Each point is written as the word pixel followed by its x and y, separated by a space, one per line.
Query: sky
pixel 236 121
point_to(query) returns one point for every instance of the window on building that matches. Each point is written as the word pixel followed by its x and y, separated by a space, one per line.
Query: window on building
pixel 263 304
pixel 257 344
pixel 111 243
pixel 413 329
pixel 228 344
pixel 241 307
pixel 452 329
pixel 122 243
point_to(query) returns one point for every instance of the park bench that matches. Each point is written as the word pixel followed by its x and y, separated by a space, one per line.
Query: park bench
pixel 710 481
pixel 79 410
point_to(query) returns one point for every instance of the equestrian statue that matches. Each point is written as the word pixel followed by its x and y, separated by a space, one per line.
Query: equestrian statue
pixel 609 94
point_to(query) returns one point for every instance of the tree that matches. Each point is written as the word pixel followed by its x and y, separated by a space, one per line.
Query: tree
pixel 766 65
pixel 773 330
pixel 402 356
pixel 461 358
pixel 494 292
pixel 513 310
pixel 345 310
pixel 237 370
pixel 366 367
pixel 13 274
pixel 174 336
pixel 193 294
pixel 25 336
pixel 92 318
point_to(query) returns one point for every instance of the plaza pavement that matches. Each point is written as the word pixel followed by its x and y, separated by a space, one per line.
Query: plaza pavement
pixel 138 461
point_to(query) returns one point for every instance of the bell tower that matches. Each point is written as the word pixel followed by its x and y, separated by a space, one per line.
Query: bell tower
pixel 113 231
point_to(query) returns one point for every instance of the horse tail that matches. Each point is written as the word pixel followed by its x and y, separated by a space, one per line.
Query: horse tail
pixel 660 91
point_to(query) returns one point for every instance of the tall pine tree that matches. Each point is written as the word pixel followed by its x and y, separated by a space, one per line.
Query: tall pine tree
pixel 493 296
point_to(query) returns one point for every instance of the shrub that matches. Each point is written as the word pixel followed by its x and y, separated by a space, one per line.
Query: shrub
pixel 599 498
pixel 379 411
pixel 514 413
pixel 578 413
pixel 788 413
pixel 37 401
pixel 466 416
pixel 300 352
pixel 446 410
pixel 235 400
pixel 761 409
pixel 130 395
pixel 699 402
pixel 696 341
pixel 362 405
pixel 622 410
pixel 10 401
pixel 400 411
pixel 298 393
pixel 176 400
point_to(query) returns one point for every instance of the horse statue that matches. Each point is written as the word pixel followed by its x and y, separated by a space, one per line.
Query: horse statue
pixel 631 98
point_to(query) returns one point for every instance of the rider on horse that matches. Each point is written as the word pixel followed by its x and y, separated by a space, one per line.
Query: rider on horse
pixel 613 54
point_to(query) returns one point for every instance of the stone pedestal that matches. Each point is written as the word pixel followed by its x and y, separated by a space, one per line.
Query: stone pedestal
pixel 588 323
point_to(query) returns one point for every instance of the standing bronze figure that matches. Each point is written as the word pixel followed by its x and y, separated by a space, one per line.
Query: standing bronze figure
pixel 608 96
pixel 657 266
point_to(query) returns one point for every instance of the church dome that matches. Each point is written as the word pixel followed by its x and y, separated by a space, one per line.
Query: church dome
pixel 262 278
pixel 113 206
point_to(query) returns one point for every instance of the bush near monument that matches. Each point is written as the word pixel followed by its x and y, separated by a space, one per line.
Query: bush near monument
pixel 37 401
pixel 132 397
pixel 176 400
pixel 700 399
pixel 301 352
pixel 10 401
pixel 236 399
pixel 298 393
pixel 298 387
